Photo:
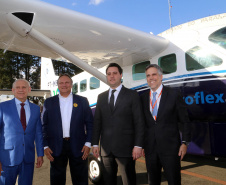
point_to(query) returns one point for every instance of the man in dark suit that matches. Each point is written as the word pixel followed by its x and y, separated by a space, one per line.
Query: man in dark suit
pixel 119 125
pixel 20 127
pixel 67 132
pixel 164 109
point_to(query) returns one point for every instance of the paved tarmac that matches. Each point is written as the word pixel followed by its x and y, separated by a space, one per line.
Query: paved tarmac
pixel 196 170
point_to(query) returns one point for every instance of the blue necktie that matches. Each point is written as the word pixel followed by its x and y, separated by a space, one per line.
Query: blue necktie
pixel 154 111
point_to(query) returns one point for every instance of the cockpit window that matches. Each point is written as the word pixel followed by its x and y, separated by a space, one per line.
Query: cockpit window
pixel 168 63
pixel 83 85
pixel 138 70
pixel 94 83
pixel 219 37
pixel 200 58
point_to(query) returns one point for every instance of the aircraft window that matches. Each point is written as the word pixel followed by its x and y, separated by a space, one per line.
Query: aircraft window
pixel 75 88
pixel 83 85
pixel 168 63
pixel 219 37
pixel 138 70
pixel 199 58
pixel 94 83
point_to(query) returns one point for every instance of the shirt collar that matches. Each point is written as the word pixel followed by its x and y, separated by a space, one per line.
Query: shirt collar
pixel 18 102
pixel 117 89
pixel 158 90
pixel 69 96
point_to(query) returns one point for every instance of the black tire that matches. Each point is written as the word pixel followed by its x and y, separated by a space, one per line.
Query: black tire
pixel 94 170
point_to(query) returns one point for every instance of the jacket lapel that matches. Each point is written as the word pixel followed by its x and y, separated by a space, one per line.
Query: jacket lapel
pixel 162 101
pixel 16 114
pixel 76 107
pixel 119 99
pixel 106 101
pixel 147 100
pixel 56 104
pixel 147 103
pixel 31 115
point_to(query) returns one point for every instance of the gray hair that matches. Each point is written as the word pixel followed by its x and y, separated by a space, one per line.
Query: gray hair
pixel 14 83
pixel 64 74
pixel 160 71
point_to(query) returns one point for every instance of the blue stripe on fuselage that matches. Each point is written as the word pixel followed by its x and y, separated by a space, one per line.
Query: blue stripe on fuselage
pixel 177 78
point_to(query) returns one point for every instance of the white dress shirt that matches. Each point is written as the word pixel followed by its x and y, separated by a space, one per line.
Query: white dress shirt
pixel 116 93
pixel 66 105
pixel 158 98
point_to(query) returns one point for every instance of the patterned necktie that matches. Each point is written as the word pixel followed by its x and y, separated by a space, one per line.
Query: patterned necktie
pixel 154 111
pixel 112 99
pixel 23 116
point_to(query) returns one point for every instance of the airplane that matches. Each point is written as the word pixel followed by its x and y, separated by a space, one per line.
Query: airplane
pixel 192 55
pixel 194 63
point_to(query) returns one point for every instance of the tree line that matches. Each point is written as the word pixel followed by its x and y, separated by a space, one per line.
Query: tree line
pixel 17 65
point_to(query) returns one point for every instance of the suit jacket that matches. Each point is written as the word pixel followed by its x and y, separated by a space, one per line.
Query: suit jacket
pixel 17 145
pixel 163 134
pixel 80 127
pixel 121 129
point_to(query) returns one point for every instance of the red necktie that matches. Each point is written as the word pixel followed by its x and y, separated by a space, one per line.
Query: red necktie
pixel 23 116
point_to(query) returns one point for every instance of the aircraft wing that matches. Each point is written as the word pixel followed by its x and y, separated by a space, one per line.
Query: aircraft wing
pixel 91 39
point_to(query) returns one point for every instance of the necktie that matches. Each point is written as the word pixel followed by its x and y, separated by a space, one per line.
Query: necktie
pixel 23 116
pixel 154 111
pixel 112 99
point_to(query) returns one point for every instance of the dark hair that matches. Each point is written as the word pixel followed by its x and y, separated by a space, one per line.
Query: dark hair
pixel 64 74
pixel 160 71
pixel 115 65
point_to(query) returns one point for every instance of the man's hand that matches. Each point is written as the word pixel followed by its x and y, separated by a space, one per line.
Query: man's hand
pixel 85 151
pixel 137 153
pixel 96 152
pixel 143 153
pixel 39 162
pixel 182 151
pixel 0 169
pixel 48 152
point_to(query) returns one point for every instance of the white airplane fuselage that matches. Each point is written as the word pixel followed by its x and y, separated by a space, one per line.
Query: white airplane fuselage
pixel 196 65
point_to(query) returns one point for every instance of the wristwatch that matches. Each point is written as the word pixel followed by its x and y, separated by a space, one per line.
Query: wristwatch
pixel 186 143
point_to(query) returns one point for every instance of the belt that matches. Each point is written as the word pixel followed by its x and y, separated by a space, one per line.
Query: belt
pixel 66 138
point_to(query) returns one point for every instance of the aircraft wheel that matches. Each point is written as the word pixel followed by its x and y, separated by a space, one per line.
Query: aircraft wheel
pixel 95 172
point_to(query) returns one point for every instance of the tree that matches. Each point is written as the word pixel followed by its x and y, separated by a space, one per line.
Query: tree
pixel 17 65
pixel 65 67
pixel 6 71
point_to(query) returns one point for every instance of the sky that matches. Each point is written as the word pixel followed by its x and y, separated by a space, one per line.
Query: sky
pixel 145 15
